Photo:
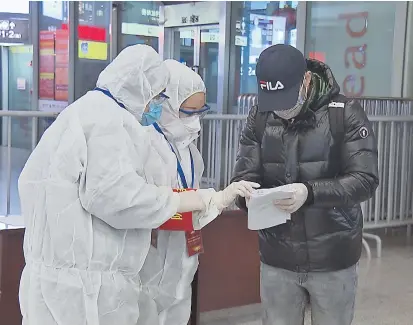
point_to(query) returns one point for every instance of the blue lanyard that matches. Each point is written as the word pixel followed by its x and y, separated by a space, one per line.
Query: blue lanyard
pixel 179 167
pixel 107 93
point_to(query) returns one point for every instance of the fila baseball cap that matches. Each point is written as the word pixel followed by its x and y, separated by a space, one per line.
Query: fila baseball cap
pixel 280 72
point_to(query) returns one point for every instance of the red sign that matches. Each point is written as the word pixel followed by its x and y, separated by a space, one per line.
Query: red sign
pixel 62 65
pixel 319 56
pixel 89 33
pixel 46 65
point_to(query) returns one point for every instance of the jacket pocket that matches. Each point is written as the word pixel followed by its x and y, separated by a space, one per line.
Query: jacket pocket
pixel 347 217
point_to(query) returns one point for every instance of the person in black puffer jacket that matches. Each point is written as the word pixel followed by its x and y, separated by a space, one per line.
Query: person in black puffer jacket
pixel 288 141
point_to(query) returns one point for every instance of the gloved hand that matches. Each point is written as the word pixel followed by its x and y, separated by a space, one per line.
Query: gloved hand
pixel 207 204
pixel 226 197
pixel 190 201
pixel 299 193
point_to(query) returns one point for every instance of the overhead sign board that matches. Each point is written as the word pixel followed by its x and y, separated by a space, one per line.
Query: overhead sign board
pixel 14 30
pixel 141 29
pixel 193 13
pixel 15 7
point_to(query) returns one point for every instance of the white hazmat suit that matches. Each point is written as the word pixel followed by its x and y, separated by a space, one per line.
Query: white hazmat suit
pixel 91 192
pixel 89 204
pixel 173 296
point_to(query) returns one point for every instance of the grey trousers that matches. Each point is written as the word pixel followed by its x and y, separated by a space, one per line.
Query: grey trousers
pixel 285 294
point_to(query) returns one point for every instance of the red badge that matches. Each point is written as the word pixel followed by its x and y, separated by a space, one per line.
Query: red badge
pixel 154 238
pixel 194 242
pixel 181 221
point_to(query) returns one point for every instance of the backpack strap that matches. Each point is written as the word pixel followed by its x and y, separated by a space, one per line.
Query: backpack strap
pixel 336 117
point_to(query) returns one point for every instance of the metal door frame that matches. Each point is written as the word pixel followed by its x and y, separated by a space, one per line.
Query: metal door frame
pixel 169 41
pixel 201 28
pixel 4 105
pixel 169 44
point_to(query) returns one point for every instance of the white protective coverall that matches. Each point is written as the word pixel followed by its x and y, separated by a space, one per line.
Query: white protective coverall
pixel 174 292
pixel 89 203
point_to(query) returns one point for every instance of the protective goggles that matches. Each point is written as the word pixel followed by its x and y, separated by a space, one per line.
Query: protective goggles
pixel 160 99
pixel 199 112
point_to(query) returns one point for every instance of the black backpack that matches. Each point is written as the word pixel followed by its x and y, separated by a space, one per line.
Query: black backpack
pixel 335 115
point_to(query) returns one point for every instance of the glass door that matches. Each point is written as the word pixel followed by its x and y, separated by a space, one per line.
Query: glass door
pixel 197 48
pixel 208 63
pixel 184 47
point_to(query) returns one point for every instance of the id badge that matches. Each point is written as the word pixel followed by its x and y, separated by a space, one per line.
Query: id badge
pixel 154 238
pixel 194 242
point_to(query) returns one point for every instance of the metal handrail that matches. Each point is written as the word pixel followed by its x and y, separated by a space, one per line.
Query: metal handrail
pixel 407 99
pixel 36 114
pixel 223 117
pixel 373 118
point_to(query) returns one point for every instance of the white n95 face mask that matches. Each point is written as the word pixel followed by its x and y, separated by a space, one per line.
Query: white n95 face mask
pixel 192 124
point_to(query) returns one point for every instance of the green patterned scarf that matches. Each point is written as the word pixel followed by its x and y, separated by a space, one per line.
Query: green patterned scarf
pixel 318 88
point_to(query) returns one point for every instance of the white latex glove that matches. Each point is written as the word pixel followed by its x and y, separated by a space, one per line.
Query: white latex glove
pixel 190 201
pixel 207 204
pixel 299 193
pixel 226 197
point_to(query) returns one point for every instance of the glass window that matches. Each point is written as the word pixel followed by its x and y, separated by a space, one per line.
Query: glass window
pixel 93 44
pixel 20 83
pixel 140 23
pixel 16 69
pixel 256 25
pixel 53 59
pixel 356 40
pixel 184 48
pixel 16 84
pixel 53 55
pixel 208 60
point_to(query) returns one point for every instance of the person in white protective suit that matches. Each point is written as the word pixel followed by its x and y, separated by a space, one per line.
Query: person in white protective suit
pixel 179 125
pixel 91 192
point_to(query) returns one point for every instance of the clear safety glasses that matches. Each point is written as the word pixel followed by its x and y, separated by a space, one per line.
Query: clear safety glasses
pixel 160 99
pixel 199 112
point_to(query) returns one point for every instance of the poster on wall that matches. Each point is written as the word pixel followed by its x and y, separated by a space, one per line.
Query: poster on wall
pixel 62 65
pixel 46 65
pixel 264 32
pixel 93 50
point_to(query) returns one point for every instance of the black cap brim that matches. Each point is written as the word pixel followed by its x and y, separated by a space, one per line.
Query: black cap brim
pixel 278 100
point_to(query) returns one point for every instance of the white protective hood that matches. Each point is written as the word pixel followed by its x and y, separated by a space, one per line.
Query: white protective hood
pixel 134 77
pixel 173 287
pixel 183 83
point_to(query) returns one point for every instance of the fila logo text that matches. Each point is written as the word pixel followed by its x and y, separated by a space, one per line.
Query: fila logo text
pixel 269 86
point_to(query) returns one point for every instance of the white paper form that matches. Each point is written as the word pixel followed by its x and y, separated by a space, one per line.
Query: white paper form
pixel 262 213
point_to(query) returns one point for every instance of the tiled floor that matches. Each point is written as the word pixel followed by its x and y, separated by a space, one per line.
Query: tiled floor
pixel 385 294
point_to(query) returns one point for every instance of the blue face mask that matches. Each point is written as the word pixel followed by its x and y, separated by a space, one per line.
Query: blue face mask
pixel 153 115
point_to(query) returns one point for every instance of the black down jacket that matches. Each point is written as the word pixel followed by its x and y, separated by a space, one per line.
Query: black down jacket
pixel 326 233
